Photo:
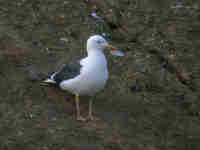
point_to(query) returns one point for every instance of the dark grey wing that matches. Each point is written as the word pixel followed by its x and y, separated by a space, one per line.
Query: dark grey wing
pixel 69 71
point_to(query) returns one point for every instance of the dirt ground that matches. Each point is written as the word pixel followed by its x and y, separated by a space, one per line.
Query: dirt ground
pixel 151 101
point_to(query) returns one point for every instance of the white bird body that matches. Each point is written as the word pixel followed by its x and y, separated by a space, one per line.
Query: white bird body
pixel 92 78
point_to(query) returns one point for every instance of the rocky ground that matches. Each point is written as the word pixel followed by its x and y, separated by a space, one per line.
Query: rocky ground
pixel 151 101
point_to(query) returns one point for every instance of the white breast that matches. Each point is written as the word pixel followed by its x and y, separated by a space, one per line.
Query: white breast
pixel 92 79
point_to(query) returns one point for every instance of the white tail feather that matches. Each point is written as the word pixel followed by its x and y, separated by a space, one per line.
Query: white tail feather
pixel 49 81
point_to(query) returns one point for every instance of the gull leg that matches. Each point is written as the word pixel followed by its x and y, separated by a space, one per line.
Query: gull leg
pixel 90 117
pixel 79 117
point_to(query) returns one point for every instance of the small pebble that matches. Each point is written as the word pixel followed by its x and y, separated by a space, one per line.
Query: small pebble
pixel 95 16
pixel 137 86
pixel 65 39
pixel 36 43
pixel 171 57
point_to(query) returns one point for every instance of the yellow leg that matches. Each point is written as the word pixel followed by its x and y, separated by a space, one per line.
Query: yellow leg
pixel 79 117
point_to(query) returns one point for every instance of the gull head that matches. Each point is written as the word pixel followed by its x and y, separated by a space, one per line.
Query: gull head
pixel 98 43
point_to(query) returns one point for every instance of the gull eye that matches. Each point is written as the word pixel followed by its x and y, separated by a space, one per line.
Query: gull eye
pixel 99 41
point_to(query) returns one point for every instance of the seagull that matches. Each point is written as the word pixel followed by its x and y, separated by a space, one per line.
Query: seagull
pixel 87 76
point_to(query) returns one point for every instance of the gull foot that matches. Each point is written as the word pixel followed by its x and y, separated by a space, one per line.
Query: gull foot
pixel 80 118
pixel 92 118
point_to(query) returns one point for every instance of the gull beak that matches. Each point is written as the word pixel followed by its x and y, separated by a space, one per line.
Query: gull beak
pixel 111 47
pixel 114 51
